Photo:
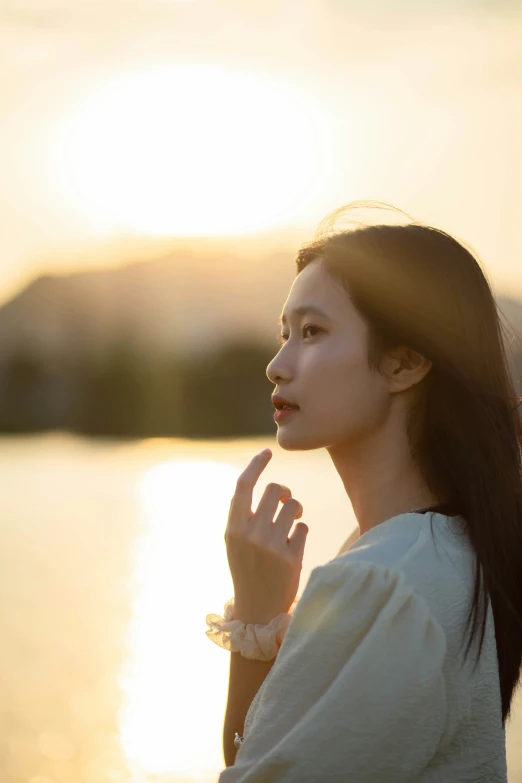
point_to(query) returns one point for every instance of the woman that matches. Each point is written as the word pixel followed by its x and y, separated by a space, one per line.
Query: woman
pixel 391 347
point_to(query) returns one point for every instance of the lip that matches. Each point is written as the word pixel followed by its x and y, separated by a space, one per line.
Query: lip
pixel 282 414
pixel 278 400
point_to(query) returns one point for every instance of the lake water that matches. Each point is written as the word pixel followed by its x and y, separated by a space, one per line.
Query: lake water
pixel 112 554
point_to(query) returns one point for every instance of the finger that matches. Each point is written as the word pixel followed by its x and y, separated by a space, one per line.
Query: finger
pixel 285 495
pixel 285 519
pixel 272 496
pixel 297 541
pixel 241 503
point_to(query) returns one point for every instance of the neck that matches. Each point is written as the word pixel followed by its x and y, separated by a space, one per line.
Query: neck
pixel 380 477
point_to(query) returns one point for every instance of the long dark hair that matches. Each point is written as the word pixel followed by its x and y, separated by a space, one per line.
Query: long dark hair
pixel 416 285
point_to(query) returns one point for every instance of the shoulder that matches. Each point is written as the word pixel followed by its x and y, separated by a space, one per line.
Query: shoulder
pixel 347 599
pixel 389 543
pixel 418 544
pixel 429 559
pixel 374 567
pixel 406 556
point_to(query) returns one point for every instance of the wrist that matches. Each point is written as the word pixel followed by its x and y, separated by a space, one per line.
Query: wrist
pixel 251 617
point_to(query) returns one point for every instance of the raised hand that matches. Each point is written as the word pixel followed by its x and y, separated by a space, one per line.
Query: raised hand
pixel 265 562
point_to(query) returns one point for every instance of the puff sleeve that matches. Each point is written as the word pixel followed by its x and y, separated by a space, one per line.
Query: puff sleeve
pixel 357 691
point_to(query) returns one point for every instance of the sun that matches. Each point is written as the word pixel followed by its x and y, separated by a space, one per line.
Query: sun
pixel 191 149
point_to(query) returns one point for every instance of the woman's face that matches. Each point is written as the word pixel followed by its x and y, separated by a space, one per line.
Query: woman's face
pixel 324 368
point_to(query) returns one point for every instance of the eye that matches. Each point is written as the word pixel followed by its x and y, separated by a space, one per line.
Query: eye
pixel 282 338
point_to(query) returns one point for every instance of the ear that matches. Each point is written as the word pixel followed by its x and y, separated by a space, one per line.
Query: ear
pixel 404 368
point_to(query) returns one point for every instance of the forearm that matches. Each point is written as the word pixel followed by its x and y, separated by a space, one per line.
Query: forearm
pixel 246 677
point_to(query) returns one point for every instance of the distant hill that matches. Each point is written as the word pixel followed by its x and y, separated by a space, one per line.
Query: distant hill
pixel 183 303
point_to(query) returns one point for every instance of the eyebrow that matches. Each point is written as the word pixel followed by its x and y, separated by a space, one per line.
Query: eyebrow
pixel 302 311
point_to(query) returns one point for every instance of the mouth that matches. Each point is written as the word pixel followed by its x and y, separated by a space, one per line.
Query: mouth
pixel 284 413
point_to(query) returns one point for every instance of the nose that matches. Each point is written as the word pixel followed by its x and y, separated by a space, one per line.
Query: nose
pixel 271 373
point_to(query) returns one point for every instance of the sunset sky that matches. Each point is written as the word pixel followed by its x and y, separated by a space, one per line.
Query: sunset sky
pixel 129 125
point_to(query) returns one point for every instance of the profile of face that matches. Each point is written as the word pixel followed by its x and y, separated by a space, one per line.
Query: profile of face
pixel 322 366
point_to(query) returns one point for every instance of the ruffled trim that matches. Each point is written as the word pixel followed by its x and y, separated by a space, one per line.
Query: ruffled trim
pixel 254 641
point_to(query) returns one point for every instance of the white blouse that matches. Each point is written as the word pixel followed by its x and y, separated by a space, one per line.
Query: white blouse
pixel 369 684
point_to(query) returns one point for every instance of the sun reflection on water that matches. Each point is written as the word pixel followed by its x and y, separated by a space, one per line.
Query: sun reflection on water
pixel 175 681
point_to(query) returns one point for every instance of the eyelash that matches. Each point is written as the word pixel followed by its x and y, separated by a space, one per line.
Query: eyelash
pixel 282 338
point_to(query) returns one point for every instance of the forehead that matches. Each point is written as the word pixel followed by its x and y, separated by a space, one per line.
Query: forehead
pixel 314 291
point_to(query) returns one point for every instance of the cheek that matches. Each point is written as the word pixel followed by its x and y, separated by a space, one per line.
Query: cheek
pixel 349 390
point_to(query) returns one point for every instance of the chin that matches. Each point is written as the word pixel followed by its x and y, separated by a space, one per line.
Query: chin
pixel 292 442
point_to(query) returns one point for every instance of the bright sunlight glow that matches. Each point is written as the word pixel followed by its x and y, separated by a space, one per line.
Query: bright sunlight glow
pixel 175 679
pixel 191 149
